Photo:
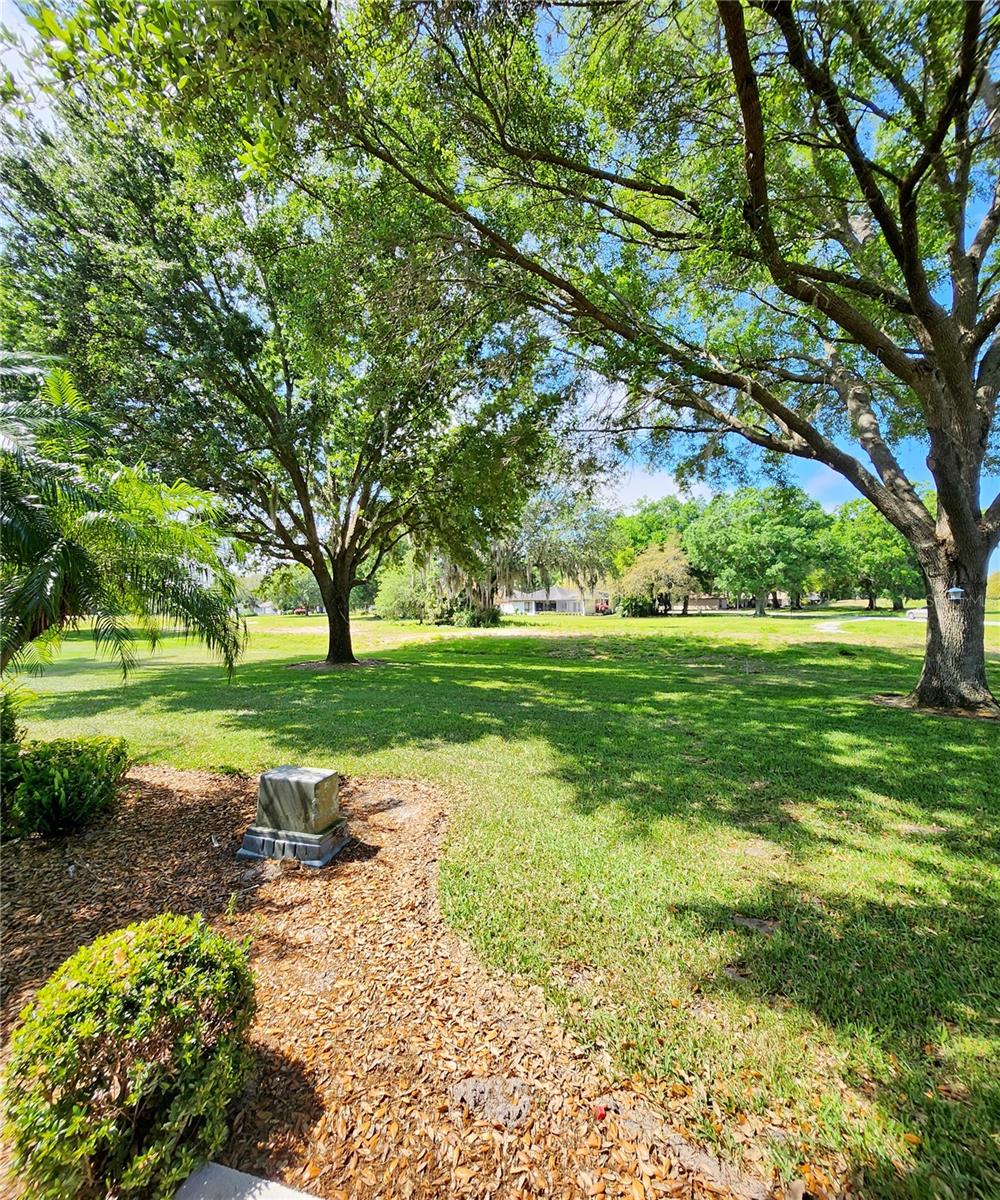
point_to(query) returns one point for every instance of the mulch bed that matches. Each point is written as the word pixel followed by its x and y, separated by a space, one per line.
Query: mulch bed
pixel 389 1061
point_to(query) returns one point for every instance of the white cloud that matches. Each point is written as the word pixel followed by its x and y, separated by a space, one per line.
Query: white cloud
pixel 825 485
pixel 14 21
pixel 639 483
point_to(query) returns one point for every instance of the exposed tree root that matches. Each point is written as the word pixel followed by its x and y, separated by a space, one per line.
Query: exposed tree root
pixel 320 664
pixel 983 712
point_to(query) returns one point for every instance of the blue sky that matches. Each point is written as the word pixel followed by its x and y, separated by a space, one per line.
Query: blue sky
pixel 830 489
pixel 819 481
pixel 640 481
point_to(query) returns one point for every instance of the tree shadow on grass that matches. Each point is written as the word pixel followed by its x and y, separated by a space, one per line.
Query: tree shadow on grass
pixel 780 745
pixel 909 986
pixel 653 726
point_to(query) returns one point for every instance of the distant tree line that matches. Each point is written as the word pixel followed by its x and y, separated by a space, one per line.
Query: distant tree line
pixel 748 546
pixel 754 543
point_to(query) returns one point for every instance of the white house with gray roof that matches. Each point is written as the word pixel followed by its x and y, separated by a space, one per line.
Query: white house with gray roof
pixel 552 600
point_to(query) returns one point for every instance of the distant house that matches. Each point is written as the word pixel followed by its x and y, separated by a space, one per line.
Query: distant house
pixel 552 600
pixel 700 602
pixel 573 600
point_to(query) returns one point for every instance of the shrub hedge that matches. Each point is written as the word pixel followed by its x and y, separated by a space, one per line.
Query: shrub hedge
pixel 123 1069
pixel 478 618
pixel 10 707
pixel 55 788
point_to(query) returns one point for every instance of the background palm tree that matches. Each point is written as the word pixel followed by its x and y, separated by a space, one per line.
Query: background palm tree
pixel 88 538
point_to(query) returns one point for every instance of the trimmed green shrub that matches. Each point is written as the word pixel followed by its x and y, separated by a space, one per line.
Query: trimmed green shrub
pixel 10 777
pixel 478 618
pixel 62 784
pixel 122 1072
pixel 635 606
pixel 11 731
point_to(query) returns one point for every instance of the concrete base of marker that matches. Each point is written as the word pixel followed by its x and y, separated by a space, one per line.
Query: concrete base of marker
pixel 310 849
pixel 213 1182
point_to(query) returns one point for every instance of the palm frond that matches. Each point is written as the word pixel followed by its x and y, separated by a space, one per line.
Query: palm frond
pixel 100 540
pixel 25 363
pixel 62 392
pixel 114 636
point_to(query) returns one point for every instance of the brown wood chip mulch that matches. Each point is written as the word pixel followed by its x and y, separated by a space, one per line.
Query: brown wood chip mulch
pixel 390 1062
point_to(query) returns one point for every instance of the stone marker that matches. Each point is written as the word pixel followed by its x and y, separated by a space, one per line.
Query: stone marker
pixel 298 816
pixel 498 1099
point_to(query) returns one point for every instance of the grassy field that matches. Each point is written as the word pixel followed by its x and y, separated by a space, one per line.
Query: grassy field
pixel 622 790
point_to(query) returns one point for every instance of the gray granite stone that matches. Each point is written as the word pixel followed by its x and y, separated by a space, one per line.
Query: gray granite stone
pixel 298 817
pixel 304 799
pixel 310 849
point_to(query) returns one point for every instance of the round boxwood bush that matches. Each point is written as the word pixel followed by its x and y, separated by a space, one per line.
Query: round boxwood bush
pixel 123 1069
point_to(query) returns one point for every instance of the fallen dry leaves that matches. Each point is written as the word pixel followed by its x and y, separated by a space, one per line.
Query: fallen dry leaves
pixel 389 1061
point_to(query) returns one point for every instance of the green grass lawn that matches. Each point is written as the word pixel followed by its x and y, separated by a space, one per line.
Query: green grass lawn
pixel 621 790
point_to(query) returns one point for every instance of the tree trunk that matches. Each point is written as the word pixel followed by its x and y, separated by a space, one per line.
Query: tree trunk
pixel 337 600
pixel 684 607
pixel 339 648
pixel 954 671
pixel 897 604
pixel 775 602
pixel 872 604
pixel 759 600
pixel 796 601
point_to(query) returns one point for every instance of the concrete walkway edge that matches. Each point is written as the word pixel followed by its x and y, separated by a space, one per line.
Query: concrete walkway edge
pixel 214 1182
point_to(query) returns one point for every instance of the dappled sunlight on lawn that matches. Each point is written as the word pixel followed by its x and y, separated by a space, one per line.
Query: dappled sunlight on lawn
pixel 620 799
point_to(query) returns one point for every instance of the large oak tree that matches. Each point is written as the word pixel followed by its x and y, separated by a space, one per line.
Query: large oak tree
pixel 775 221
pixel 317 356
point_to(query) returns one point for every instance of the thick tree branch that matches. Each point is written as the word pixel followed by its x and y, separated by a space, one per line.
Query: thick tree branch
pixel 987 230
pixel 821 85
pixel 988 324
pixel 819 297
pixel 991 521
